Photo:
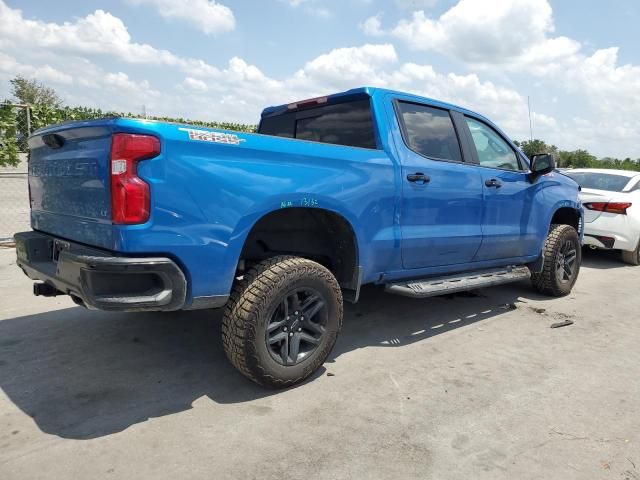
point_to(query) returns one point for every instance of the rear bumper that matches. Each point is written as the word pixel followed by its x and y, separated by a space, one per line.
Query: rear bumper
pixel 100 279
pixel 611 231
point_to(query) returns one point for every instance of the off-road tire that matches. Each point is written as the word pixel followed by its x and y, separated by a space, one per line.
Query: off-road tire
pixel 546 281
pixel 253 301
pixel 633 257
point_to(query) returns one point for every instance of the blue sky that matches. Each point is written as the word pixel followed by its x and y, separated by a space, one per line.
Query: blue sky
pixel 225 60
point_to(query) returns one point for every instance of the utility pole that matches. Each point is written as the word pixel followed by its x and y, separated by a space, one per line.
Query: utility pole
pixel 530 124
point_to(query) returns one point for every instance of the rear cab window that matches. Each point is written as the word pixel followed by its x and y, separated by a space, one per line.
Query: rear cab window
pixel 348 123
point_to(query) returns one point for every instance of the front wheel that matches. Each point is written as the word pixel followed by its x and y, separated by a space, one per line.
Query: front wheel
pixel 282 320
pixel 561 258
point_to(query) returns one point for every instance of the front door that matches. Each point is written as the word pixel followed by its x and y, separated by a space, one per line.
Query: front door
pixel 509 224
pixel 441 209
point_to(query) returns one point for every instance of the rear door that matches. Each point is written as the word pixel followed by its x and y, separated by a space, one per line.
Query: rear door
pixel 510 228
pixel 441 207
pixel 69 182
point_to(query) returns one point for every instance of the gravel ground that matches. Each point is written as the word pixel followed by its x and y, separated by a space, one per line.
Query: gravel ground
pixel 470 386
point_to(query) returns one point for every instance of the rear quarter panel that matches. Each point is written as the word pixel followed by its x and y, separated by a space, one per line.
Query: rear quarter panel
pixel 207 195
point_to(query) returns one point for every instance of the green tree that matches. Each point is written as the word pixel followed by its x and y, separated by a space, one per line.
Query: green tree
pixel 577 159
pixel 34 92
pixel 531 147
pixel 8 137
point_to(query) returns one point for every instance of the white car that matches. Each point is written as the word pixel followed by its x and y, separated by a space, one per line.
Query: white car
pixel 611 201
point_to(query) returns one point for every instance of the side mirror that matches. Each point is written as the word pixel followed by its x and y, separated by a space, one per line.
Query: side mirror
pixel 541 164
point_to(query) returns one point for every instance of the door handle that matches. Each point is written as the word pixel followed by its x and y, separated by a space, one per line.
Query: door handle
pixel 494 182
pixel 419 178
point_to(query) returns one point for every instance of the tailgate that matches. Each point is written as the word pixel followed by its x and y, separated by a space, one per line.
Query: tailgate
pixel 69 182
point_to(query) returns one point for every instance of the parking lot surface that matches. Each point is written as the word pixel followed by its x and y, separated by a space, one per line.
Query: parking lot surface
pixel 474 386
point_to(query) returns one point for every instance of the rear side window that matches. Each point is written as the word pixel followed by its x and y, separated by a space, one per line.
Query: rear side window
pixel 349 124
pixel 278 126
pixel 429 131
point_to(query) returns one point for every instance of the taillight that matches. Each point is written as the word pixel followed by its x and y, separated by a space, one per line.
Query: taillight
pixel 130 197
pixel 610 207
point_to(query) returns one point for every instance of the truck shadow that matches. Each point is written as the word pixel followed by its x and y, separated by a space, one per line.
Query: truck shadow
pixel 83 375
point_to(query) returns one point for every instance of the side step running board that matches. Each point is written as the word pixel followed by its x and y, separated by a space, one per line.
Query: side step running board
pixel 433 286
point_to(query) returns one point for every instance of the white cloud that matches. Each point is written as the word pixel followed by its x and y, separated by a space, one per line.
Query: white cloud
pixel 99 33
pixel 191 83
pixel 372 26
pixel 295 3
pixel 416 4
pixel 351 65
pixel 609 86
pixel 208 16
pixel 497 38
pixel 610 92
pixel 312 7
pixel 490 32
pixel 68 55
pixel 9 65
pixel 121 81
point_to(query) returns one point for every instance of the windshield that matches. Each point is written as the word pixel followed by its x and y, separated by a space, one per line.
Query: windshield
pixel 600 181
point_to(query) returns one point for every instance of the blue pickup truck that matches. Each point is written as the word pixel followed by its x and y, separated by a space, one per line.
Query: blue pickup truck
pixel 365 186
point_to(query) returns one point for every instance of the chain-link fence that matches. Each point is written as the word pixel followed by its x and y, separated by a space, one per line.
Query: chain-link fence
pixel 15 128
pixel 14 205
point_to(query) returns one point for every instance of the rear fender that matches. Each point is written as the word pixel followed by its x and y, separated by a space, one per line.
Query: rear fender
pixel 277 203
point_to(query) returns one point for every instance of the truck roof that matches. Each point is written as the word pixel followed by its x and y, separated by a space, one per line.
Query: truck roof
pixel 371 91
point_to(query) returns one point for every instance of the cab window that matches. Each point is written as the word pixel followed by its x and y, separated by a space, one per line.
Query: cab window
pixel 493 150
pixel 429 131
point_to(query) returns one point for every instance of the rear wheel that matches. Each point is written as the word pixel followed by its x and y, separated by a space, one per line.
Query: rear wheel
pixel 633 257
pixel 282 320
pixel 561 258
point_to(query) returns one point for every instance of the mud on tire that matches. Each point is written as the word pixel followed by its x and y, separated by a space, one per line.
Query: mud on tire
pixel 282 320
pixel 561 258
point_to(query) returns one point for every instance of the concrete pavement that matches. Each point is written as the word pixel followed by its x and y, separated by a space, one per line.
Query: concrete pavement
pixel 453 387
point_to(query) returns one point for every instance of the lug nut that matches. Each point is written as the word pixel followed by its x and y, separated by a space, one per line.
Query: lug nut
pixel 301 318
pixel 299 329
pixel 285 329
pixel 291 334
pixel 295 312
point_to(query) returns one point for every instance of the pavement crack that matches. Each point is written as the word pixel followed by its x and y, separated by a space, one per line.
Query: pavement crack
pixel 571 436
